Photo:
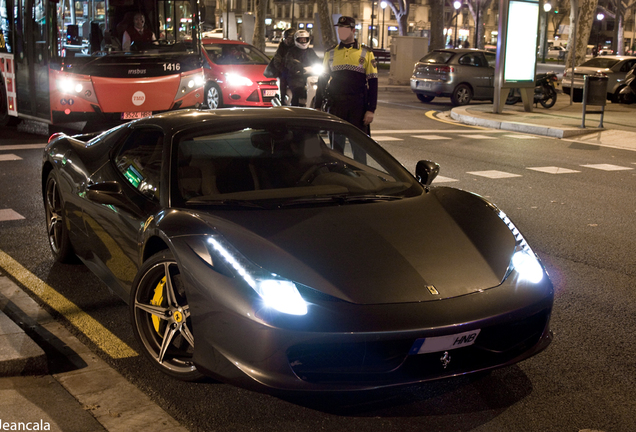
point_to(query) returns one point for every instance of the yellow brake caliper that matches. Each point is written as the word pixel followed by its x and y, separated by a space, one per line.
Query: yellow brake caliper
pixel 157 299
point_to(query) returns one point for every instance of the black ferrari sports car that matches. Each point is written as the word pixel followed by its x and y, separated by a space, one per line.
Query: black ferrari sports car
pixel 284 249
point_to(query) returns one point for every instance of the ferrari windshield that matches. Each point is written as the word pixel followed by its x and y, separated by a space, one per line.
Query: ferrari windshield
pixel 287 163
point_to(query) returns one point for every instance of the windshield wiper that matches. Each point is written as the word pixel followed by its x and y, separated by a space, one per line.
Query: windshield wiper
pixel 338 199
pixel 226 202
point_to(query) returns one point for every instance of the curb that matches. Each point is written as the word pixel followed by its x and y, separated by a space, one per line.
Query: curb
pixel 19 355
pixel 462 115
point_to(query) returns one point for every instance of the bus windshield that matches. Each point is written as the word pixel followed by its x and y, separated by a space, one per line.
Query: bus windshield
pixel 120 27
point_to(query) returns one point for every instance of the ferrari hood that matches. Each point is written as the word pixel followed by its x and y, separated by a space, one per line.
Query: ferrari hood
pixel 442 244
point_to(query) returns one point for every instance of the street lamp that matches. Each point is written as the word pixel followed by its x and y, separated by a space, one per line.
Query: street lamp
pixel 456 5
pixel 383 6
pixel 599 17
pixel 547 7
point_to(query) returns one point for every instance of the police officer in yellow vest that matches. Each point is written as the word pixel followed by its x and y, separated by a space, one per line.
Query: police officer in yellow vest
pixel 349 86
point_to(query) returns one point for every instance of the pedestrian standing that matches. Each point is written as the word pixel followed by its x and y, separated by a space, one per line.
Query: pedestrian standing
pixel 278 62
pixel 349 84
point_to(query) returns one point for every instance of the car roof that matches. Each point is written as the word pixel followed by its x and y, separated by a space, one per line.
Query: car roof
pixel 462 50
pixel 184 119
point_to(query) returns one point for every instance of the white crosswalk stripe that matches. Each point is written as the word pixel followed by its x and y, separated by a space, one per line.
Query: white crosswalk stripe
pixel 442 179
pixel 494 174
pixel 477 136
pixel 607 167
pixel 9 157
pixel 553 170
pixel 386 138
pixel 520 136
pixel 9 214
pixel 432 137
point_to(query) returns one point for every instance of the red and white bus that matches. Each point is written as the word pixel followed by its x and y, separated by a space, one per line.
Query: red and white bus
pixel 62 61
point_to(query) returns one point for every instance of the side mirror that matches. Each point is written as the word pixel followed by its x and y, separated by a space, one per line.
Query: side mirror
pixel 426 171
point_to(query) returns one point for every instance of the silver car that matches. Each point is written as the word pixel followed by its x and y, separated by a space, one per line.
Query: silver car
pixel 615 67
pixel 461 74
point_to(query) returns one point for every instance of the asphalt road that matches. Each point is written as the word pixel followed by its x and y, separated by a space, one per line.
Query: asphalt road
pixel 575 205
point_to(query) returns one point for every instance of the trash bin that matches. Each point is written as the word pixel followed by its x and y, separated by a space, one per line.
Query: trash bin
pixel 595 89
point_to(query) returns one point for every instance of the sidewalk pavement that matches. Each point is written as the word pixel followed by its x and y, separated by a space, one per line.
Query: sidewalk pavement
pixel 563 120
pixel 91 396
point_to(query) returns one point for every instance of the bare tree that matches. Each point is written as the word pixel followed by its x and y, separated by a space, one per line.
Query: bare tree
pixel 326 24
pixel 479 9
pixel 437 24
pixel 260 14
pixel 587 11
pixel 400 9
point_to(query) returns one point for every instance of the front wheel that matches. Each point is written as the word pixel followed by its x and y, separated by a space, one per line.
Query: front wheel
pixel 425 98
pixel 213 96
pixel 55 222
pixel 549 97
pixel 461 95
pixel 160 316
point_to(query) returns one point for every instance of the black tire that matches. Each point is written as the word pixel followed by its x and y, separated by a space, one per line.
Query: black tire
pixel 57 230
pixel 462 95
pixel 549 97
pixel 425 98
pixel 213 98
pixel 512 98
pixel 160 315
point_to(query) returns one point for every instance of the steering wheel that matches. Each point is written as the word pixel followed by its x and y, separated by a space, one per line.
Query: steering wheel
pixel 332 166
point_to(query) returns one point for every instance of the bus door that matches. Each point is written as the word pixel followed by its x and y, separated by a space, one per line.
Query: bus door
pixel 32 58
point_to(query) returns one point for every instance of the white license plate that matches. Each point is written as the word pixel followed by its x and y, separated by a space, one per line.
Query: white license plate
pixel 444 343
pixel 135 115
pixel 424 85
pixel 269 93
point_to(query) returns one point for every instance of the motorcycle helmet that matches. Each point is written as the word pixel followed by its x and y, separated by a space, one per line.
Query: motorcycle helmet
pixel 302 39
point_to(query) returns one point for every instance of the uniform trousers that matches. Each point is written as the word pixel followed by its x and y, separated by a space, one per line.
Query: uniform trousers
pixel 351 109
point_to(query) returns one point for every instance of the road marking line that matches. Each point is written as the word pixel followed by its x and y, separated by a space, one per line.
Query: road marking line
pixel 9 214
pixel 607 167
pixel 442 179
pixel 431 137
pixel 477 136
pixel 9 157
pixel 92 329
pixel 432 115
pixel 553 170
pixel 494 174
pixel 386 138
pixel 519 136
pixel 22 147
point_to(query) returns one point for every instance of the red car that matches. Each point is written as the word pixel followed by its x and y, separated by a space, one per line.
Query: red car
pixel 234 75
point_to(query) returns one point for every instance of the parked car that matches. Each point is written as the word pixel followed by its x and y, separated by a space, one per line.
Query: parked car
pixel 614 67
pixel 234 75
pixel 462 74
pixel 253 248
pixel 217 33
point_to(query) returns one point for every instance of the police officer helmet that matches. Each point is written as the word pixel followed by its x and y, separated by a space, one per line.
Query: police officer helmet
pixel 302 39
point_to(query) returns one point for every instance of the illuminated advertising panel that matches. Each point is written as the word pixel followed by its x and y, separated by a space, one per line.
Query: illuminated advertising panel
pixel 521 42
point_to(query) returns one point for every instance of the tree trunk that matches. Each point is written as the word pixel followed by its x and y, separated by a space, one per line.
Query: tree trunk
pixel 259 26
pixel 587 10
pixel 326 25
pixel 437 25
pixel 619 25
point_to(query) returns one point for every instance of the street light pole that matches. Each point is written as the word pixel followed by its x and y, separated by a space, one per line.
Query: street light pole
pixel 372 16
pixel 383 6
pixel 457 5
pixel 599 17
pixel 547 7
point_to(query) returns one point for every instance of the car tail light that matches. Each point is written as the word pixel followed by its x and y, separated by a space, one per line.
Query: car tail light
pixel 55 135
pixel 565 73
pixel 444 69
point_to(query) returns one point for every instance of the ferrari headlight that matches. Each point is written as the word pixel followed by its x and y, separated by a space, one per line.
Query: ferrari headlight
pixel 524 261
pixel 277 292
pixel 238 80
